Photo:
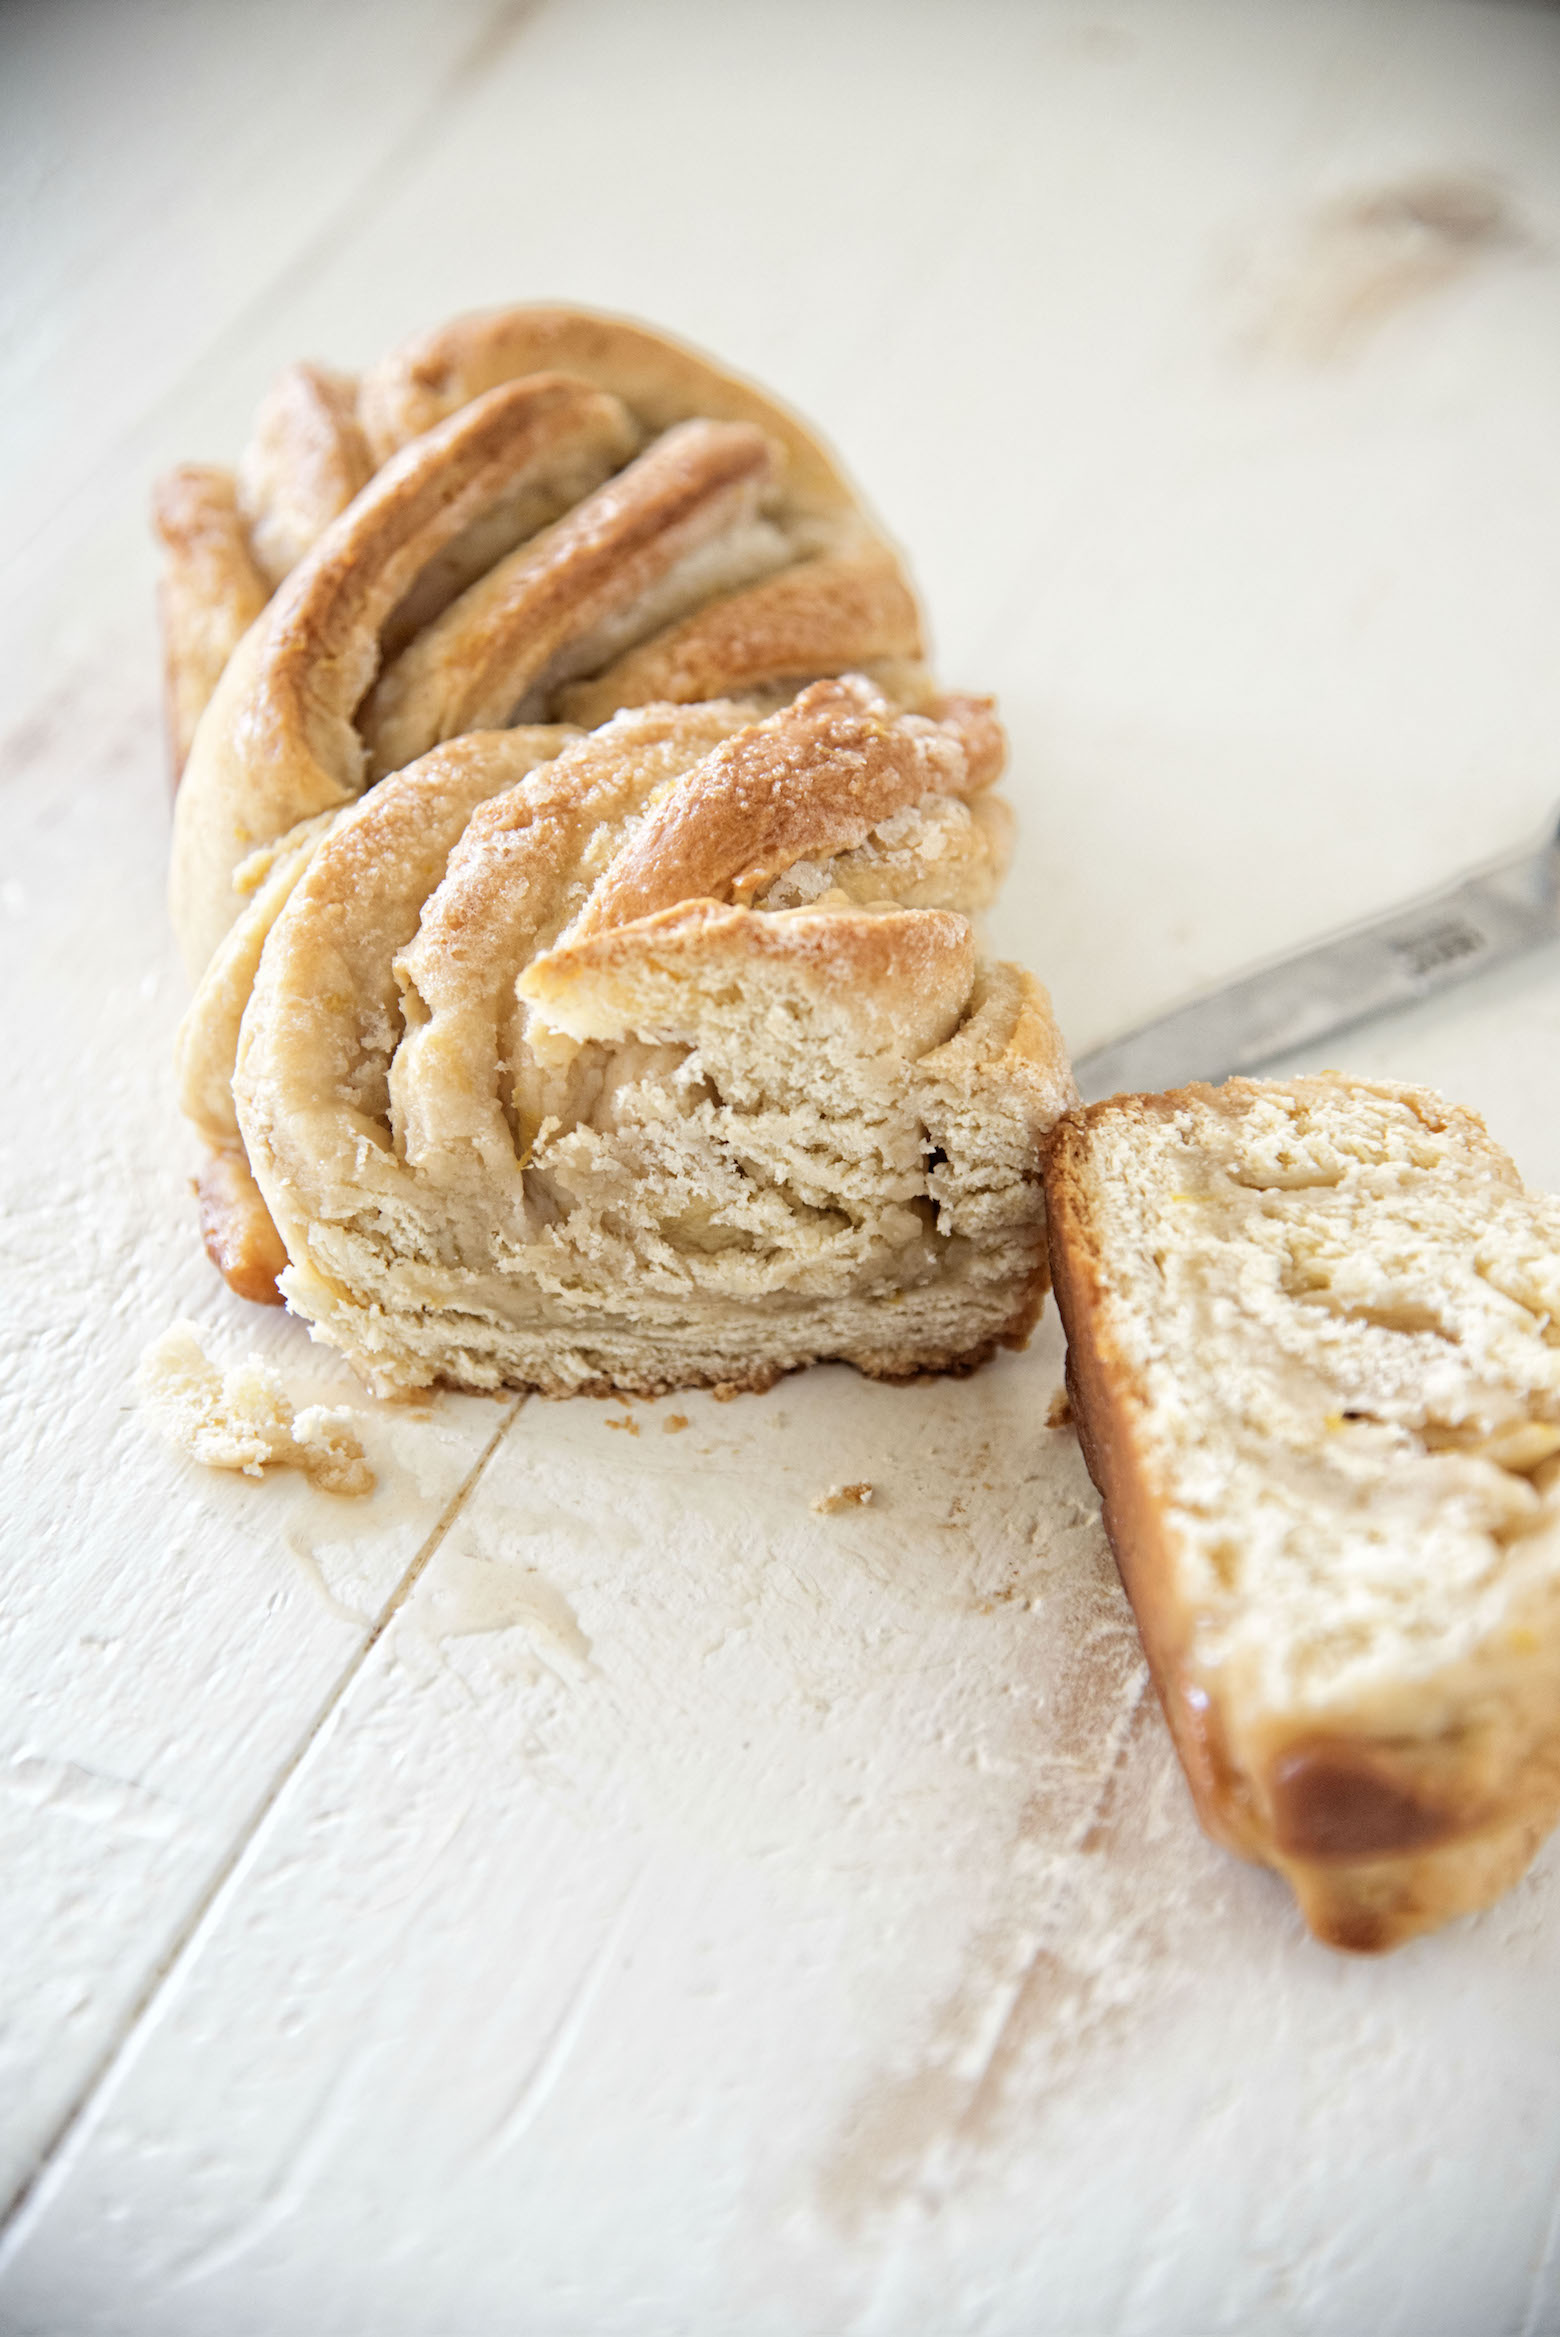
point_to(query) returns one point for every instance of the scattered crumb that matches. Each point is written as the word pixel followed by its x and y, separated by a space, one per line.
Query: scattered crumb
pixel 628 1421
pixel 243 1419
pixel 843 1497
pixel 673 1422
pixel 1060 1414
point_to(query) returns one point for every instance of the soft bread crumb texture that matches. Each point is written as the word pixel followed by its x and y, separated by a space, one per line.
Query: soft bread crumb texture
pixel 539 1092
pixel 1315 1355
pixel 242 1419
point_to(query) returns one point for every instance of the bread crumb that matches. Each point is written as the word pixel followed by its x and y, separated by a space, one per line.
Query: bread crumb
pixel 673 1422
pixel 243 1419
pixel 844 1497
pixel 1061 1412
pixel 726 1391
pixel 628 1421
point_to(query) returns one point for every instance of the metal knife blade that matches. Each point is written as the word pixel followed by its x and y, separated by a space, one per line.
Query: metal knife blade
pixel 1421 947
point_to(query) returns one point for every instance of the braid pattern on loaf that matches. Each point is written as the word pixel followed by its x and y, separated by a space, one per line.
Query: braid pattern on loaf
pixel 577 869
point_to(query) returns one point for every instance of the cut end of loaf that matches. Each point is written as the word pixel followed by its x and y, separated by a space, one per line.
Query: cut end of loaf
pixel 735 1182
pixel 548 1083
pixel 1315 1362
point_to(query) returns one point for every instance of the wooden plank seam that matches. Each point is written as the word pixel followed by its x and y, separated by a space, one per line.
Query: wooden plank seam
pixel 491 44
pixel 51 2163
pixel 507 21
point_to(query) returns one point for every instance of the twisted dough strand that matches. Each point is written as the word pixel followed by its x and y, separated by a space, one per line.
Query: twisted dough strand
pixel 211 592
pixel 839 602
pixel 560 599
pixel 636 1048
pixel 278 743
pixel 306 460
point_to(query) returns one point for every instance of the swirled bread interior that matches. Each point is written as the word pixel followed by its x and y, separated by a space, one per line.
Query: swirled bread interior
pixel 546 1082
pixel 1314 1346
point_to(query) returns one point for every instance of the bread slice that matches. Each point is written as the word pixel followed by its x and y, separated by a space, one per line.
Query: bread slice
pixel 1314 1357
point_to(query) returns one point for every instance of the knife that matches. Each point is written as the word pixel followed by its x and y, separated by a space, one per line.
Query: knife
pixel 1494 913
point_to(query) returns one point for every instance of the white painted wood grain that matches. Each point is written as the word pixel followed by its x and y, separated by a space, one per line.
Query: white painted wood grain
pixel 702 1914
pixel 167 1637
pixel 166 173
pixel 694 1913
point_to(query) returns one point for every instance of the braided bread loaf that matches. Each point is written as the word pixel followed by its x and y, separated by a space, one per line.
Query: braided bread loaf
pixel 577 869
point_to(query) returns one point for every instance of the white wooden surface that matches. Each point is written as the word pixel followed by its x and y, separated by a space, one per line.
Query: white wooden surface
pixel 585 1890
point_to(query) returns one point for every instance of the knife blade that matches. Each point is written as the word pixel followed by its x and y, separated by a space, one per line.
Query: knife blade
pixel 1423 946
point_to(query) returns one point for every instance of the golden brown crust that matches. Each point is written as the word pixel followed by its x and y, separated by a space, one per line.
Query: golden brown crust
pixel 320 434
pixel 830 615
pixel 811 781
pixel 281 745
pixel 211 592
pixel 1368 1905
pixel 306 459
pixel 1343 1797
pixel 731 555
pixel 236 1228
pixel 428 377
pixel 473 666
pixel 324 626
